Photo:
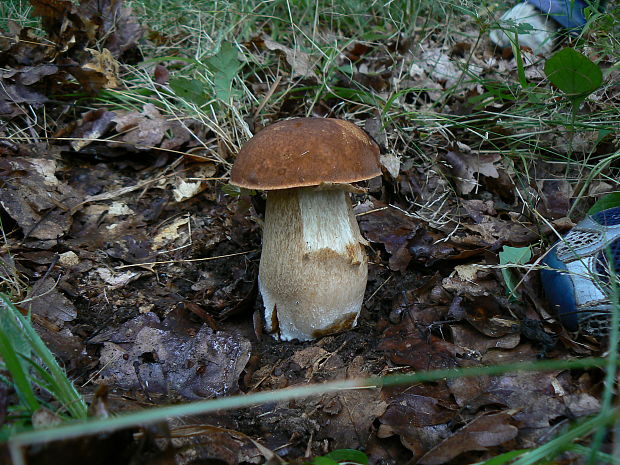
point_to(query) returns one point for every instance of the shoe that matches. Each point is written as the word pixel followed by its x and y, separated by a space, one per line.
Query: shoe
pixel 539 37
pixel 543 18
pixel 578 280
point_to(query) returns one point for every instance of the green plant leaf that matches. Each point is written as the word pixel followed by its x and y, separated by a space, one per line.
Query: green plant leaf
pixel 23 387
pixel 348 456
pixel 573 73
pixel 323 461
pixel 191 90
pixel 505 458
pixel 608 201
pixel 224 66
pixel 20 362
pixel 513 256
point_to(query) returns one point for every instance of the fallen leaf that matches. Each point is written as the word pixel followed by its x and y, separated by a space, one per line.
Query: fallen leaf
pixel 440 67
pixel 18 93
pixel 47 302
pixel 36 199
pixel 170 233
pixel 470 339
pixel 349 424
pixel 172 356
pixel 414 410
pixel 300 62
pixel 117 280
pixel 513 256
pixel 393 229
pixel 467 167
pixel 28 75
pixel 93 125
pixel 479 435
pixel 214 444
pixel 556 196
pixel 405 344
pixel 143 130
pixel 391 163
pixel 106 65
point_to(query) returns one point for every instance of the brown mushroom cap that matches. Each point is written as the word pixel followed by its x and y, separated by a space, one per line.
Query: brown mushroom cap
pixel 306 152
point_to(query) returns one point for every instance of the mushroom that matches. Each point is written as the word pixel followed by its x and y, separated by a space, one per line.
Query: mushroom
pixel 313 267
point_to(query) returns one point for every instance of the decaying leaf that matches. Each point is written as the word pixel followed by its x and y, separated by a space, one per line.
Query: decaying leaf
pixel 440 67
pixel 300 62
pixel 142 130
pixel 106 65
pixel 466 168
pixel 214 443
pixel 405 344
pixel 45 301
pixel 484 432
pixel 88 23
pixel 167 357
pixel 148 129
pixel 35 198
pixel 393 229
pixel 169 233
pixel 116 280
pixel 419 416
pixel 351 413
pixel 470 339
pixel 93 125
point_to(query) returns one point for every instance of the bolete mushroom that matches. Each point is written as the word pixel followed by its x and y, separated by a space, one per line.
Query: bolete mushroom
pixel 313 268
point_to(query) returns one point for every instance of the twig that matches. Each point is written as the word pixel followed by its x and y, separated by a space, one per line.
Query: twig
pixel 187 260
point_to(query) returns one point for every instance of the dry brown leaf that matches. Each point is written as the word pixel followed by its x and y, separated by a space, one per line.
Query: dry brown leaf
pixel 300 62
pixel 36 199
pixel 482 433
pixel 93 125
pixel 469 339
pixel 466 168
pixel 405 344
pixel 143 130
pixel 106 65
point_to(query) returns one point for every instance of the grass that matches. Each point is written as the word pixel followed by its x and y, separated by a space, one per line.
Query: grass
pixel 155 415
pixel 222 77
pixel 38 380
pixel 17 11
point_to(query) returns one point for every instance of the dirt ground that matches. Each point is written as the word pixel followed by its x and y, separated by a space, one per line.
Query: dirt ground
pixel 176 326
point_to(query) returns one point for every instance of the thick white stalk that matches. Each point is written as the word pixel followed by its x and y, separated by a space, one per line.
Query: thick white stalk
pixel 313 267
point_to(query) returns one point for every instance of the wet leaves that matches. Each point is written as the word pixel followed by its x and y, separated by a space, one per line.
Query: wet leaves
pixel 484 432
pixel 172 358
pixel 404 238
pixel 84 42
pixel 405 344
pixel 34 197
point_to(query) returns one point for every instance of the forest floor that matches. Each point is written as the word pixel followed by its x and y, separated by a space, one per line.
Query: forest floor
pixel 138 262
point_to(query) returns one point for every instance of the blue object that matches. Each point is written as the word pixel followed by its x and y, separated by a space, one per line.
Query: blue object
pixel 569 13
pixel 577 280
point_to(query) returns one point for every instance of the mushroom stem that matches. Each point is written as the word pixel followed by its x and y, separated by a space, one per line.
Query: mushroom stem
pixel 313 266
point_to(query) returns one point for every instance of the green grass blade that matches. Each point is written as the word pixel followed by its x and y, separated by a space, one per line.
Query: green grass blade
pixel 19 376
pixel 62 388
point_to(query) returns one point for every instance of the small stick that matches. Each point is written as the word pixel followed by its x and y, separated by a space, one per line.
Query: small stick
pixel 187 260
